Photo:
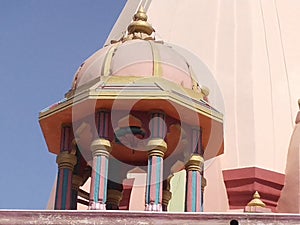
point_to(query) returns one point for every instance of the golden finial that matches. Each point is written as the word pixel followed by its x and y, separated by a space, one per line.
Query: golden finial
pixel 140 14
pixel 256 201
pixel 140 24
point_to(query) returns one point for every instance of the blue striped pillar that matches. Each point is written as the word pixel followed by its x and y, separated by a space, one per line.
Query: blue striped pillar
pixel 66 161
pixel 101 149
pixel 194 174
pixel 156 150
pixel 194 194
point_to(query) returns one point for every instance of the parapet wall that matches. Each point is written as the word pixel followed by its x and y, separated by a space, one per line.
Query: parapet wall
pixel 13 217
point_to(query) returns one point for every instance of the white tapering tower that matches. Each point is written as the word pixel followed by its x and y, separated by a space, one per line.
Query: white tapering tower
pixel 252 49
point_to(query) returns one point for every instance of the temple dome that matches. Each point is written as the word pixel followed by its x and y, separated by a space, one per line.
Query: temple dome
pixel 139 58
pixel 137 54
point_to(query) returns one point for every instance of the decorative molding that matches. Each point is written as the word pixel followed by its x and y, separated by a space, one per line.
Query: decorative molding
pixel 242 183
pixel 42 217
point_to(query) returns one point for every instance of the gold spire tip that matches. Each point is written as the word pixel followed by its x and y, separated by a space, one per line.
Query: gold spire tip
pixel 140 14
pixel 256 201
pixel 140 24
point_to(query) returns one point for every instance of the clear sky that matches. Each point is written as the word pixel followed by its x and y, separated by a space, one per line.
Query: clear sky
pixel 42 43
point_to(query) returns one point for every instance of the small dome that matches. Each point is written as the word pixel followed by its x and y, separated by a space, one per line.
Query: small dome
pixel 139 58
pixel 138 54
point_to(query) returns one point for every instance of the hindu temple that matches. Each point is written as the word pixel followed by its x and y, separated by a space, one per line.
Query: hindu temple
pixel 154 133
pixel 134 103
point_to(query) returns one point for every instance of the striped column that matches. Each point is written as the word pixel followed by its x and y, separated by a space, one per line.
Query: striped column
pixel 100 151
pixel 194 172
pixel 102 123
pixel 66 161
pixel 156 149
pixel 98 190
pixel 194 194
pixel 100 148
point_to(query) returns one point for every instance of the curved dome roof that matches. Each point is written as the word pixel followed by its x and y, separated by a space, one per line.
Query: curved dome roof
pixel 140 58
pixel 138 54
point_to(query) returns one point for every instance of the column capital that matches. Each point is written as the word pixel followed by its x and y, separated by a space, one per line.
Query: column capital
pixel 196 162
pixel 66 160
pixel 101 146
pixel 156 147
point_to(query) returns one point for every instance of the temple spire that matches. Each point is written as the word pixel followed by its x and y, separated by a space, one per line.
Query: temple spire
pixel 140 24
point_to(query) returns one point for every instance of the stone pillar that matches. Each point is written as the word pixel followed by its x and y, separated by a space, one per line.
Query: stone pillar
pixel 98 190
pixel 114 198
pixel 156 149
pixel 66 161
pixel 195 182
pixel 77 181
pixel 101 149
pixel 194 192
pixel 167 194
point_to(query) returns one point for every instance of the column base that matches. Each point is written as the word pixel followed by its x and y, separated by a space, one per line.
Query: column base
pixel 153 207
pixel 97 206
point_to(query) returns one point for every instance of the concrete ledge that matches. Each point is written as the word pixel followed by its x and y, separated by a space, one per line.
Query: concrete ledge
pixel 14 217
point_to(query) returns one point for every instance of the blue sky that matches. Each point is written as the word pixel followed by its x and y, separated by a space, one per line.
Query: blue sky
pixel 42 43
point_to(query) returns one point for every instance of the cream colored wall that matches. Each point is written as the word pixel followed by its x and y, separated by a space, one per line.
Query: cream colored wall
pixel 240 41
pixel 252 48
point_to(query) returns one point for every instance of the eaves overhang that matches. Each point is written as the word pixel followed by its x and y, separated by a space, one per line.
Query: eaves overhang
pixel 148 95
